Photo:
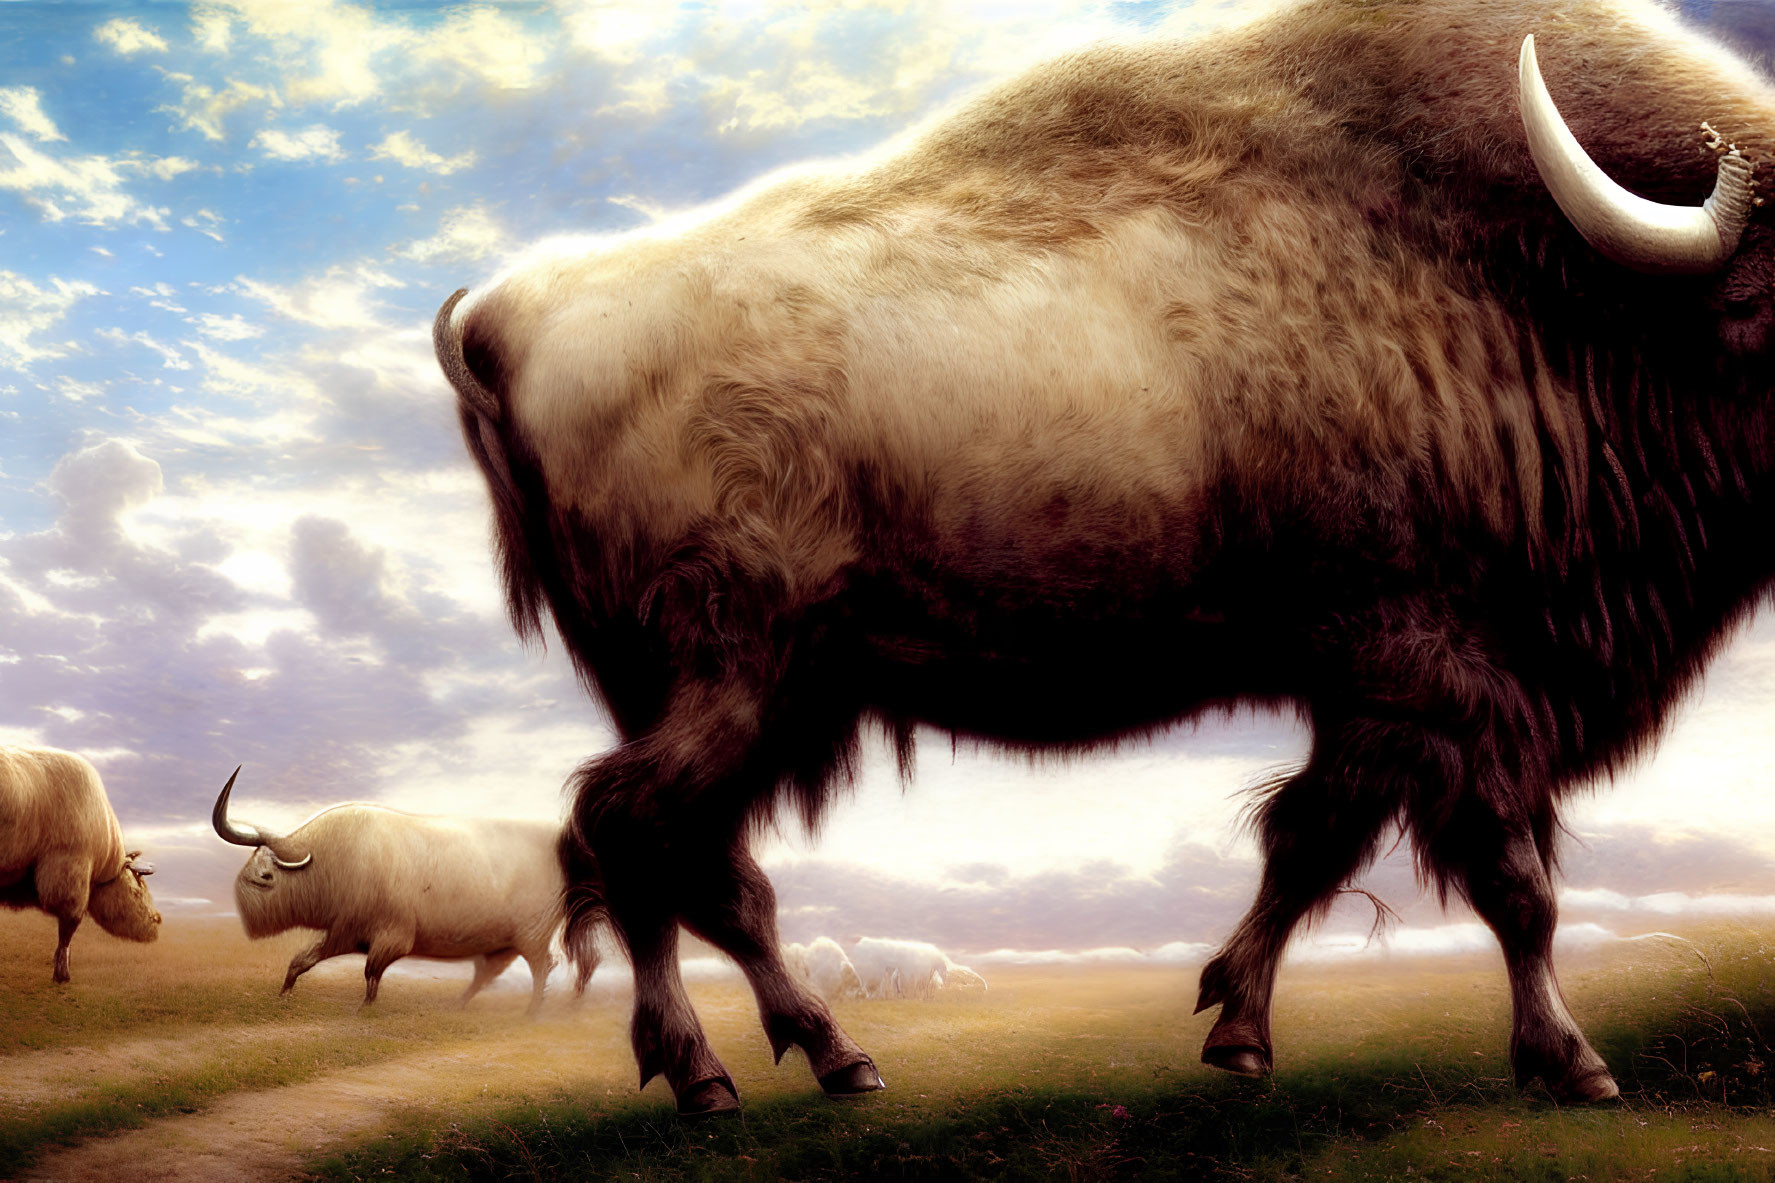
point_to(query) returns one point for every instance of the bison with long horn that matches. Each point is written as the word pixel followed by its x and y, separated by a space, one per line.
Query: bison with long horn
pixel 1309 364
pixel 391 885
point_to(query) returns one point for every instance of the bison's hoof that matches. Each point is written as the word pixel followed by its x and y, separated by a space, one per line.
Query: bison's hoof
pixel 1240 1061
pixel 709 1098
pixel 853 1081
pixel 1595 1086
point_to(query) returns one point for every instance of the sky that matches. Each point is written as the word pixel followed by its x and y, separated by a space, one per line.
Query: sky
pixel 238 524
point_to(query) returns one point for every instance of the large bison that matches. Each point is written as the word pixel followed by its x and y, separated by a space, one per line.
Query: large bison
pixel 61 850
pixel 1281 367
pixel 391 885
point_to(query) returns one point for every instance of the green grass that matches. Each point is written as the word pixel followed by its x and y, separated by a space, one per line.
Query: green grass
pixel 1387 1069
pixel 207 993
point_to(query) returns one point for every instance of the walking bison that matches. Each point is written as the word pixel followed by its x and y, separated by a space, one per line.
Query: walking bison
pixel 61 850
pixel 1309 364
pixel 391 885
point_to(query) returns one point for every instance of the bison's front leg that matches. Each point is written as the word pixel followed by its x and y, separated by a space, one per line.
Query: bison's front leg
pixel 735 909
pixel 1317 829
pixel 328 946
pixel 1505 878
pixel 65 926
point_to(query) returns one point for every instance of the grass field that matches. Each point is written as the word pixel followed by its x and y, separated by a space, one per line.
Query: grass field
pixel 179 1061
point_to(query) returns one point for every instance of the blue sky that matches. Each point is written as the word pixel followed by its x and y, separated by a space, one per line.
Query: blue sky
pixel 237 523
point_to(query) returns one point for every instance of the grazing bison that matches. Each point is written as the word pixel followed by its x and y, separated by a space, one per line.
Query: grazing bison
pixel 1282 367
pixel 61 850
pixel 824 966
pixel 900 969
pixel 391 885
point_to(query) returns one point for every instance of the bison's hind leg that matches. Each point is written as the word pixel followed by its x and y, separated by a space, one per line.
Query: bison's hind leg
pixel 540 961
pixel 487 967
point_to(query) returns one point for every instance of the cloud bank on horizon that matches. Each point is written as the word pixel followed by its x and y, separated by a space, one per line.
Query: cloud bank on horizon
pixel 237 523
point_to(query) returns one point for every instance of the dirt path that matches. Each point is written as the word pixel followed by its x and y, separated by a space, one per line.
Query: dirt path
pixel 268 1135
pixel 64 1073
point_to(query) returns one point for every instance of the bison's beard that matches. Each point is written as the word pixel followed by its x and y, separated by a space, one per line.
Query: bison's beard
pixel 124 908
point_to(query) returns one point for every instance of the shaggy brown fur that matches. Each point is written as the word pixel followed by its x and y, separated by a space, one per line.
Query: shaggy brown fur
pixel 61 850
pixel 1167 377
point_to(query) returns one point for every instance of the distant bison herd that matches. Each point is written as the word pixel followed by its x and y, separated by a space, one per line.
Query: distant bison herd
pixel 1317 363
pixel 371 880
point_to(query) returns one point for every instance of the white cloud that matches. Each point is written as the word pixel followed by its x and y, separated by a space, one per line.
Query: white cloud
pixel 24 106
pixel 484 43
pixel 161 168
pixel 340 298
pixel 76 391
pixel 90 185
pixel 614 32
pixel 315 142
pixel 225 328
pixel 1439 940
pixel 203 109
pixel 404 149
pixel 339 53
pixel 212 29
pixel 1667 903
pixel 160 296
pixel 651 210
pixel 205 222
pixel 465 233
pixel 27 310
pixel 171 357
pixel 128 36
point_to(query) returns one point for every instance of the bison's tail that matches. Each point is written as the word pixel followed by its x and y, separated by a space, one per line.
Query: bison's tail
pixel 582 904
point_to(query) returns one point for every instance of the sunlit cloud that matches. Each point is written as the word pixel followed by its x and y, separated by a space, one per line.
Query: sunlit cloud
pixel 129 36
pixel 403 149
pixel 486 44
pixel 339 298
pixel 315 142
pixel 206 222
pixel 205 109
pixel 24 106
pixel 345 54
pixel 28 310
pixel 465 233
pixel 170 356
pixel 212 29
pixel 226 328
pixel 89 188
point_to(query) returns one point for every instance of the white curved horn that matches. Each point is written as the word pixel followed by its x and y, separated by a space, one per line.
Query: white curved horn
pixel 1644 235
pixel 289 866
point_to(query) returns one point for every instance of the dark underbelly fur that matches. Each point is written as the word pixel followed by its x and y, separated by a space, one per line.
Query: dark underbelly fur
pixel 21 893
